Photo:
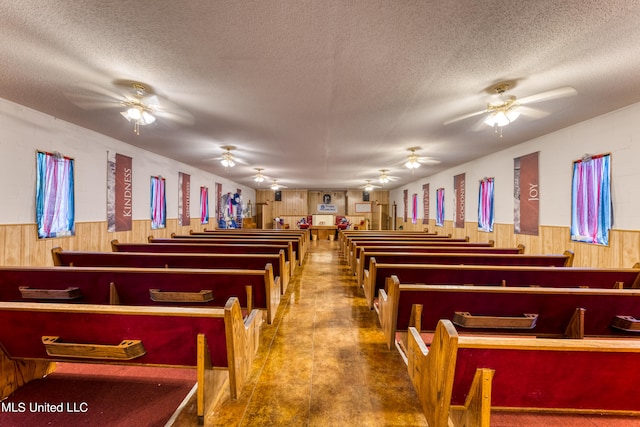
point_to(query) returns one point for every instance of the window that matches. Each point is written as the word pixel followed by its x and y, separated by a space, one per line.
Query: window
pixel 440 207
pixel 485 205
pixel 158 203
pixel 591 208
pixel 55 210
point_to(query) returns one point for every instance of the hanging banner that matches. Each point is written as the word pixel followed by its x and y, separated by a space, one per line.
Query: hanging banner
pixel 119 192
pixel 526 194
pixel 459 199
pixel 219 207
pixel 425 207
pixel 405 199
pixel 440 207
pixel 184 196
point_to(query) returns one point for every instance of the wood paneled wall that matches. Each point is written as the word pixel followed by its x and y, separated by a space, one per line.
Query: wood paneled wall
pixel 623 250
pixel 21 247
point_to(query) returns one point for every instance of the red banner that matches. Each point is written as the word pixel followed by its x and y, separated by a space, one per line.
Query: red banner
pixel 458 191
pixel 119 192
pixel 526 194
pixel 425 207
pixel 184 198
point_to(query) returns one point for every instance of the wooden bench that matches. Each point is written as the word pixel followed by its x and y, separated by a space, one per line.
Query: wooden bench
pixel 565 277
pixel 346 236
pixel 551 260
pixel 176 260
pixel 218 343
pixel 461 379
pixel 360 266
pixel 297 248
pixel 209 249
pixel 302 234
pixel 354 252
pixel 142 286
pixel 543 312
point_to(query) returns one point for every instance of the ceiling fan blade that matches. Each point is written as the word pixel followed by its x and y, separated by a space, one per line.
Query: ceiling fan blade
pixel 178 116
pixel 548 95
pixel 92 97
pixel 480 125
pixel 532 112
pixel 464 117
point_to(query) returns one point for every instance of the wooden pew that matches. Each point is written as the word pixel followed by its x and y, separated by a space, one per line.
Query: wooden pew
pixel 304 234
pixel 209 249
pixel 354 252
pixel 360 265
pixel 176 260
pixel 353 242
pixel 297 247
pixel 218 343
pixel 565 277
pixel 543 312
pixel 344 236
pixel 551 260
pixel 142 286
pixel 460 379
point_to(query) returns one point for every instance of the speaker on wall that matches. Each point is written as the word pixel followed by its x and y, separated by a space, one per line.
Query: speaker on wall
pixel 365 196
pixel 278 196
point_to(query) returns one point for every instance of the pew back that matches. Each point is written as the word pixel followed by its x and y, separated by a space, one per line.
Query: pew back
pixel 565 277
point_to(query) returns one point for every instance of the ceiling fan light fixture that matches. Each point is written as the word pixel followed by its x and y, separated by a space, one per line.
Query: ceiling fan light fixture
pixel 140 115
pixel 384 178
pixel 501 118
pixel 412 161
pixel 227 159
pixel 275 186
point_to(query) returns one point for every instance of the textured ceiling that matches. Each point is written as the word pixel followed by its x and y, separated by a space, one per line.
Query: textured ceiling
pixel 321 94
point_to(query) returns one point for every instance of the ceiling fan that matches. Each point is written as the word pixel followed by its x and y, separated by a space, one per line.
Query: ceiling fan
pixel 503 109
pixel 138 102
pixel 369 186
pixel 259 177
pixel 385 178
pixel 275 186
pixel 413 161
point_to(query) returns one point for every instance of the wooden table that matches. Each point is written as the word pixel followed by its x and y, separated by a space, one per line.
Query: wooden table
pixel 323 232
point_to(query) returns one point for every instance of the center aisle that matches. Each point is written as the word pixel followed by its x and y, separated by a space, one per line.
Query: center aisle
pixel 323 361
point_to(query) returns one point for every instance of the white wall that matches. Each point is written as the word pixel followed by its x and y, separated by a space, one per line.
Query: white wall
pixel 24 131
pixel 617 133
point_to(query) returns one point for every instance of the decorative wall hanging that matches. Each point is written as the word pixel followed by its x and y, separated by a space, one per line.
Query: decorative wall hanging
pixel 425 207
pixel 204 205
pixel 440 207
pixel 526 195
pixel 158 203
pixel 459 200
pixel 55 207
pixel 591 207
pixel 119 192
pixel 184 199
pixel 485 204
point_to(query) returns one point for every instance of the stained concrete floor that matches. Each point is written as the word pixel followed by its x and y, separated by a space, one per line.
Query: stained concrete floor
pixel 323 361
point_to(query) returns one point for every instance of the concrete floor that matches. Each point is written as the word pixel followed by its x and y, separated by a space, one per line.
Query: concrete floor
pixel 323 362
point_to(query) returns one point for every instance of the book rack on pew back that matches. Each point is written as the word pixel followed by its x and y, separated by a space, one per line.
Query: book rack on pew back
pixel 215 341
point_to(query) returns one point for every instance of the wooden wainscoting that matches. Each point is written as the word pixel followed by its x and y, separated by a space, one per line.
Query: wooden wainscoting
pixel 623 250
pixel 21 246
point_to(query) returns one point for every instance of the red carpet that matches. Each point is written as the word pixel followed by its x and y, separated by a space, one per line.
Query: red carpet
pixel 99 395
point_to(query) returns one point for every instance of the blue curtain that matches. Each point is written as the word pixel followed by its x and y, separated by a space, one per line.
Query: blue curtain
pixel 591 208
pixel 485 205
pixel 204 205
pixel 440 207
pixel 55 207
pixel 158 203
